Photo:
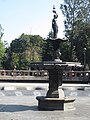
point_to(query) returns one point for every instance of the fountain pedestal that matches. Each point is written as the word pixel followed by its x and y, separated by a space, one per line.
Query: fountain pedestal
pixel 54 99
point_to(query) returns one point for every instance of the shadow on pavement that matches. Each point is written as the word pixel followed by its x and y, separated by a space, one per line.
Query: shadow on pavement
pixel 16 108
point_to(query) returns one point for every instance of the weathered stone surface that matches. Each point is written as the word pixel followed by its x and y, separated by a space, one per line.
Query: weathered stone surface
pixel 55 103
pixel 54 99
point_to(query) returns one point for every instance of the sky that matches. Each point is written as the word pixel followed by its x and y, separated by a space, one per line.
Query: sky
pixel 30 17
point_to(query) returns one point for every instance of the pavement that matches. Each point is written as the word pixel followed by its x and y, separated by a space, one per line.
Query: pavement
pixel 21 103
pixel 29 86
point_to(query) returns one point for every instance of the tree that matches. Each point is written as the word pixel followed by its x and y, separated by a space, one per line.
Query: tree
pixel 83 41
pixel 2 47
pixel 23 50
pixel 77 15
pixel 47 52
pixel 65 51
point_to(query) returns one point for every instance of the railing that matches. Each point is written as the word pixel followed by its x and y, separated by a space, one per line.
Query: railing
pixel 43 75
pixel 23 75
pixel 76 76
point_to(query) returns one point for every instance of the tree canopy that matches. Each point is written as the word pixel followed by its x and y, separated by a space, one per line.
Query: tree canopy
pixel 22 51
pixel 2 47
pixel 77 27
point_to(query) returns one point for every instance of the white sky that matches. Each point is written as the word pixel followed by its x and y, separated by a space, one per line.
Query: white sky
pixel 29 17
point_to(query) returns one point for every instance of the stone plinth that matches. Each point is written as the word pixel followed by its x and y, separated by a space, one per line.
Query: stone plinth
pixel 55 103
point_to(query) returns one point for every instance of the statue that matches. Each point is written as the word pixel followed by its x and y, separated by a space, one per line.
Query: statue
pixel 54 24
pixel 54 40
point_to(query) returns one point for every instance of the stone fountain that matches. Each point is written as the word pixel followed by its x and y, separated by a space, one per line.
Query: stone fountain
pixel 54 99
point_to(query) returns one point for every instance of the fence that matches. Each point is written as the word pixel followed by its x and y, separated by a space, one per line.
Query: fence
pixel 43 75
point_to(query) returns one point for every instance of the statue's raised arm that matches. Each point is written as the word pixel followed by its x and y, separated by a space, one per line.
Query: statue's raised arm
pixel 54 24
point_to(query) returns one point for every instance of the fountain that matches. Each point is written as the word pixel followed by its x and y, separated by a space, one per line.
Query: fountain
pixel 54 99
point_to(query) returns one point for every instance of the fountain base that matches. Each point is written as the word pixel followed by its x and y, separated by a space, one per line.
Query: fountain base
pixel 55 99
pixel 64 104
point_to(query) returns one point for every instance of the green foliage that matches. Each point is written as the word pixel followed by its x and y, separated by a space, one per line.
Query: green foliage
pixel 2 47
pixel 47 52
pixel 65 51
pixel 2 52
pixel 77 27
pixel 22 51
pixel 83 41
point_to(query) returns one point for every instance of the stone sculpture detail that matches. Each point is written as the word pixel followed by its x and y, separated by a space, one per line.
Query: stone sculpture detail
pixel 54 23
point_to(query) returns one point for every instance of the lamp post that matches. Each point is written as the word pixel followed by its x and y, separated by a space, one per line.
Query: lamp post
pixel 84 58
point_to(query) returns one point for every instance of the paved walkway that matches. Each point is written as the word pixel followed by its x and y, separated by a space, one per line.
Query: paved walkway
pixel 29 86
pixel 25 108
pixel 73 93
pixel 22 105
